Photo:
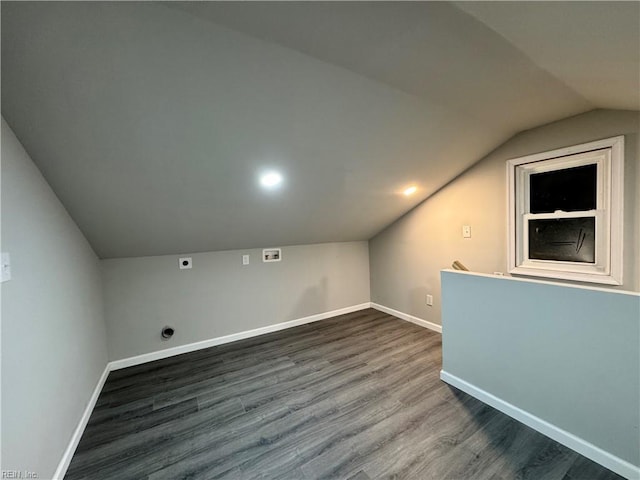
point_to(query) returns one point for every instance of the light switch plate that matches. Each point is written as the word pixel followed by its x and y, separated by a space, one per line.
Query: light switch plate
pixel 466 231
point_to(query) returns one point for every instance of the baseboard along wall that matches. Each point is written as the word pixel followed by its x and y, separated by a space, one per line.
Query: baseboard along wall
pixel 170 352
pixel 82 424
pixel 212 342
pixel 604 458
pixel 409 318
pixel 596 454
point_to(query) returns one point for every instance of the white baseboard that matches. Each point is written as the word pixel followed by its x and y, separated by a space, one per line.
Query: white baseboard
pixel 82 424
pixel 212 342
pixel 598 455
pixel 170 352
pixel 409 318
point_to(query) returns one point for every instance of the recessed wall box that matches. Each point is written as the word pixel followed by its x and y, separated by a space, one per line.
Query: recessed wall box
pixel 271 254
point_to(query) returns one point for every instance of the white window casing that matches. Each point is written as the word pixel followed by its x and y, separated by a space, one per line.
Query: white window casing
pixel 608 156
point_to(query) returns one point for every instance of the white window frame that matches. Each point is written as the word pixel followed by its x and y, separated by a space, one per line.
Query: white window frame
pixel 608 155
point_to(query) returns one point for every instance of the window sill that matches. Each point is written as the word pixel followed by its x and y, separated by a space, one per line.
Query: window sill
pixel 600 278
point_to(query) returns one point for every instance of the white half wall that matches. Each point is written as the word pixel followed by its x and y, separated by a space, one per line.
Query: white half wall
pixel 563 359
pixel 219 296
pixel 53 334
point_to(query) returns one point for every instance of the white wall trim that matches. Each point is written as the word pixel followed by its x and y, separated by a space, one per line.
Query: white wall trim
pixel 170 352
pixel 616 464
pixel 509 278
pixel 409 318
pixel 608 269
pixel 212 342
pixel 82 424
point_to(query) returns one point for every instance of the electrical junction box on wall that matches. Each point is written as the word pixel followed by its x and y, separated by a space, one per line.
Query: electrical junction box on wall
pixel 271 254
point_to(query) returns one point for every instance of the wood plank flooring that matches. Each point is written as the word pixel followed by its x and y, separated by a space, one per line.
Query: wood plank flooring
pixel 353 397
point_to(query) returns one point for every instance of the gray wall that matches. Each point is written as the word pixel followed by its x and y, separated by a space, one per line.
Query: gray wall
pixel 406 257
pixel 220 296
pixel 567 355
pixel 53 333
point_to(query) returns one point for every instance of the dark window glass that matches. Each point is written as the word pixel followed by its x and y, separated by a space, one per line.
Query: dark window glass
pixel 563 239
pixel 569 189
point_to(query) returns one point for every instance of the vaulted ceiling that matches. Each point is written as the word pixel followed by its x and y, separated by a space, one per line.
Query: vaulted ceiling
pixel 152 121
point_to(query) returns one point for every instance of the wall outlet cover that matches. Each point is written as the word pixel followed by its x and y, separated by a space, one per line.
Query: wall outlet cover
pixel 185 263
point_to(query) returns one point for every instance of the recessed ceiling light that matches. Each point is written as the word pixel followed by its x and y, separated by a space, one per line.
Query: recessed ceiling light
pixel 271 180
pixel 410 190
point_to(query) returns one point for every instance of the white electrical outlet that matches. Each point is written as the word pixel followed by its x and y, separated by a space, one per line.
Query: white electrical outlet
pixel 185 263
pixel 245 259
pixel 5 268
pixel 430 300
pixel 466 231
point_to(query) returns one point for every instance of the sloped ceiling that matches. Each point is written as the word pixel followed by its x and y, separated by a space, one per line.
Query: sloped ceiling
pixel 152 121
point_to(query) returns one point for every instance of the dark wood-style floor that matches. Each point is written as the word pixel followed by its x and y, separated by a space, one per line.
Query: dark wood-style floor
pixel 353 397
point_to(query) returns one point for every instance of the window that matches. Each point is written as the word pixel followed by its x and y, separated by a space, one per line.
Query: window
pixel 565 213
